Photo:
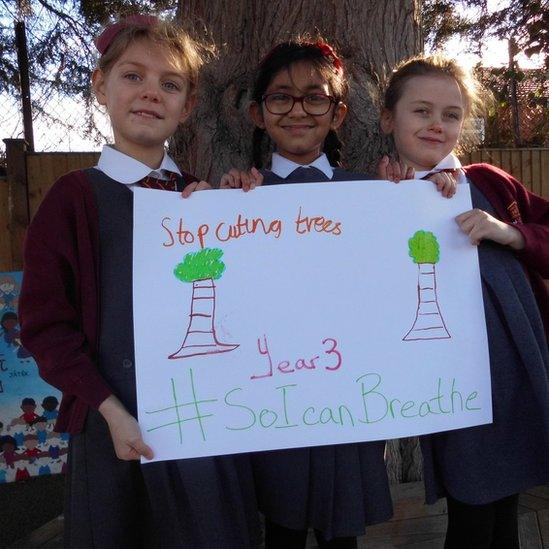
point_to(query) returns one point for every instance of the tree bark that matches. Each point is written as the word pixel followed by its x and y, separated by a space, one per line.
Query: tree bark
pixel 370 36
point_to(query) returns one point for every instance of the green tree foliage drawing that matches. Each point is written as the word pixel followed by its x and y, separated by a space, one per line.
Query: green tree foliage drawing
pixel 201 269
pixel 424 250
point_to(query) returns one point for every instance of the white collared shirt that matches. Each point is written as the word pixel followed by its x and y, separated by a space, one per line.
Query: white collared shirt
pixel 128 170
pixel 283 167
pixel 448 162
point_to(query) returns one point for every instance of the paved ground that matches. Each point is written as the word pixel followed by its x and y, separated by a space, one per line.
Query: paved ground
pixel 414 526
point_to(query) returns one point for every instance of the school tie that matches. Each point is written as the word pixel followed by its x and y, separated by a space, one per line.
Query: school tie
pixel 150 182
pixel 433 172
pixel 306 174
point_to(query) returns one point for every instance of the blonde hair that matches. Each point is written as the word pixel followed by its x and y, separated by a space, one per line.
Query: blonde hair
pixel 475 96
pixel 184 52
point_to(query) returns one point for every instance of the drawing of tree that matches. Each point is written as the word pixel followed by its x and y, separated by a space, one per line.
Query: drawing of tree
pixel 428 323
pixel 201 268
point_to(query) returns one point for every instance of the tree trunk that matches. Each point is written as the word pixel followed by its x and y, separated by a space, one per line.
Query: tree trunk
pixel 200 337
pixel 370 36
pixel 428 323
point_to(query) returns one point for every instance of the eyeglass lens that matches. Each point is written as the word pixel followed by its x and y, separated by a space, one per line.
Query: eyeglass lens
pixel 282 103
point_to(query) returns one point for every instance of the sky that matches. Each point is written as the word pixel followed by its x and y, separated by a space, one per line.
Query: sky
pixel 494 53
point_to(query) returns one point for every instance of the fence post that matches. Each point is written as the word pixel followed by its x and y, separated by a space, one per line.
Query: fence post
pixel 19 217
pixel 24 82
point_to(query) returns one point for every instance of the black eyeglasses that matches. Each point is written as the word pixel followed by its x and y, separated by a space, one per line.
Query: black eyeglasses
pixel 315 104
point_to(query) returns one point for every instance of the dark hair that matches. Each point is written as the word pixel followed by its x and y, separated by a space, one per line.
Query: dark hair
pixel 7 439
pixel 10 315
pixel 50 400
pixel 328 65
pixel 27 400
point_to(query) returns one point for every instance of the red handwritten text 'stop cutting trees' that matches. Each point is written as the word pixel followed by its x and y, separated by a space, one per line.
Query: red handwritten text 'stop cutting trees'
pixel 428 324
pixel 201 268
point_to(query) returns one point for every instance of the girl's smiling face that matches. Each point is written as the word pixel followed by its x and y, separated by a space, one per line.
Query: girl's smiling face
pixel 427 120
pixel 298 136
pixel 146 95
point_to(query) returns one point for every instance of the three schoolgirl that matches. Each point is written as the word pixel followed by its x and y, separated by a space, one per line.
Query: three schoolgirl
pixel 76 311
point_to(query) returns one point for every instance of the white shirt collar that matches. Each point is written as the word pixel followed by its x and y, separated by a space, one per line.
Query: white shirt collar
pixel 283 167
pixel 448 162
pixel 128 170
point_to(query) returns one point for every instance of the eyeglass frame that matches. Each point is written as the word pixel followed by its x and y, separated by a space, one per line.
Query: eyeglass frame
pixel 300 99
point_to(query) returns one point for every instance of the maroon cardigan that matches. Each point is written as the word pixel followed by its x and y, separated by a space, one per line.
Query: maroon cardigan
pixel 59 301
pixel 528 213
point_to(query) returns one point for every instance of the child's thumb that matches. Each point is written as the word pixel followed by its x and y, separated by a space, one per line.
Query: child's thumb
pixel 144 450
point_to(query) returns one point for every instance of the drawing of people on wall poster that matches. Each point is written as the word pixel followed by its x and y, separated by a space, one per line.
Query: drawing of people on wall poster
pixel 29 446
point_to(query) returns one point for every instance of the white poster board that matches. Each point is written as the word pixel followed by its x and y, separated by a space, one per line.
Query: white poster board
pixel 307 326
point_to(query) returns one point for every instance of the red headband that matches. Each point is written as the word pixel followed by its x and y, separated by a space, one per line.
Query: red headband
pixel 329 52
pixel 325 49
pixel 104 40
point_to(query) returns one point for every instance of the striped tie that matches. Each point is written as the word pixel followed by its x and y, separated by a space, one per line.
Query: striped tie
pixel 150 182
pixel 447 170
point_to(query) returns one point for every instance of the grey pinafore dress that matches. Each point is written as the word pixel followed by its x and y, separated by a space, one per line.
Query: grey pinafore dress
pixel 482 464
pixel 205 502
pixel 336 489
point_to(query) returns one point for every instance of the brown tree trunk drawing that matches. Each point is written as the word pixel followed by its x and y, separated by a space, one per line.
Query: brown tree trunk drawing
pixel 428 323
pixel 200 337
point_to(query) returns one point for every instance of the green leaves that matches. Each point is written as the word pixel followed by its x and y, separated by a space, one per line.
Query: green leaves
pixel 423 247
pixel 200 265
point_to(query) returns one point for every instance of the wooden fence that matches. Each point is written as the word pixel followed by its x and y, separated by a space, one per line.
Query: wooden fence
pixel 30 175
pixel 530 166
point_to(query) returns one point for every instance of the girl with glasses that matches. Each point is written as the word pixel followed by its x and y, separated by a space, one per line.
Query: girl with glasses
pixel 298 103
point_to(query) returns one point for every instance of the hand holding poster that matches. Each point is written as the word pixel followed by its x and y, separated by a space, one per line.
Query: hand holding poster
pixel 303 315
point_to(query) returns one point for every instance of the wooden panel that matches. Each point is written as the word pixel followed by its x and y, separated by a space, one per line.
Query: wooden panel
pixel 516 164
pixel 43 169
pixel 535 165
pixel 50 532
pixel 530 166
pixel 527 159
pixel 544 175
pixel 529 533
pixel 5 233
pixel 543 519
pixel 532 502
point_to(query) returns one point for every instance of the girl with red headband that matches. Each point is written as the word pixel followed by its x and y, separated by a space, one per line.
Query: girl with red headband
pixel 298 103
pixel 77 320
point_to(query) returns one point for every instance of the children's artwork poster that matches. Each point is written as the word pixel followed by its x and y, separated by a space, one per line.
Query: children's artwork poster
pixel 304 315
pixel 29 446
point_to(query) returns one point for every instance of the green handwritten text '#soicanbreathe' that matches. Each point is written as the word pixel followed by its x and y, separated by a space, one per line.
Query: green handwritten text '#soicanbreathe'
pixel 373 406
pixel 367 405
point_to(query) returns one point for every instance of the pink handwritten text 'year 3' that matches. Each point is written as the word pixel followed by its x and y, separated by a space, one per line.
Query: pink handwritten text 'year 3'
pixel 288 367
